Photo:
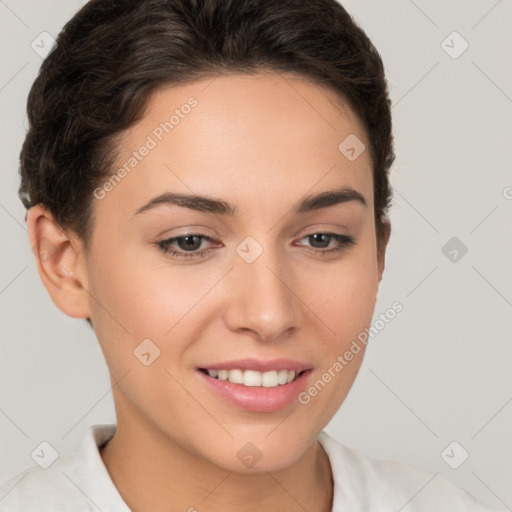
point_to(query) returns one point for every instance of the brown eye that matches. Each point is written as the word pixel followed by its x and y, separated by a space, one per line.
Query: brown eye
pixel 320 242
pixel 185 246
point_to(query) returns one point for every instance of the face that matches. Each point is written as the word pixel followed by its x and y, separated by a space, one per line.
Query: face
pixel 261 279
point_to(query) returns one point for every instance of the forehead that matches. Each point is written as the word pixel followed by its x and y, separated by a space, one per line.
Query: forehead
pixel 248 136
pixel 255 101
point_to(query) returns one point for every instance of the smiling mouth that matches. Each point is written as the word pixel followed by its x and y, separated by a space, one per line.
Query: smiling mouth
pixel 254 378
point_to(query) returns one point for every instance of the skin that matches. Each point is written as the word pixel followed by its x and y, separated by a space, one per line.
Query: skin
pixel 262 142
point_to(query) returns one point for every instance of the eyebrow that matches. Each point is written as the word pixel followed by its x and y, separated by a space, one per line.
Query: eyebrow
pixel 211 205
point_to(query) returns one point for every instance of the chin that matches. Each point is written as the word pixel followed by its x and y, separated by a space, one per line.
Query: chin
pixel 257 451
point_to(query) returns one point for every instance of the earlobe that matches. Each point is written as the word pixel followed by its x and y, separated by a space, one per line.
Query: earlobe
pixel 59 263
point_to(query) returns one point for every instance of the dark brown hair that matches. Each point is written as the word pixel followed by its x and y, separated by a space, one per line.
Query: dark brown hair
pixel 113 54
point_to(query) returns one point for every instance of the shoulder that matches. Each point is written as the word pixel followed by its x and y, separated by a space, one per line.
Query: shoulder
pixel 75 481
pixel 365 483
pixel 35 488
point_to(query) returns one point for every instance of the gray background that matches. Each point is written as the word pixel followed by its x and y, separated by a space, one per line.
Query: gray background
pixel 440 371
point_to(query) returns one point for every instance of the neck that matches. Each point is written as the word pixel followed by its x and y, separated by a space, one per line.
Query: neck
pixel 152 472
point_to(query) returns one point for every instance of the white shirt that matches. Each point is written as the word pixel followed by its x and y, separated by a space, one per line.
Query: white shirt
pixel 79 482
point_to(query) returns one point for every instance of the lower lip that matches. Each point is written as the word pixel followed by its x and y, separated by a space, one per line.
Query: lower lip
pixel 257 398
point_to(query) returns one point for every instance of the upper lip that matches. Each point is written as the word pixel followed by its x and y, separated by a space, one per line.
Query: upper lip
pixel 258 365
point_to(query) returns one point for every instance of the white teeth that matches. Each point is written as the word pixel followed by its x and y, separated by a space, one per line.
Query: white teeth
pixel 269 379
pixel 282 376
pixel 253 378
pixel 223 375
pixel 236 376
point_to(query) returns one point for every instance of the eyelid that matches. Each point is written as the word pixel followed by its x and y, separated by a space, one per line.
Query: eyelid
pixel 195 229
pixel 316 227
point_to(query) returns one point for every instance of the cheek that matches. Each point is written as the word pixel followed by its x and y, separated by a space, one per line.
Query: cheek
pixel 343 297
pixel 343 294
pixel 133 289
pixel 141 296
pixel 125 303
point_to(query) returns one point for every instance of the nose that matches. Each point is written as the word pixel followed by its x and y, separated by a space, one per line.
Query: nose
pixel 263 297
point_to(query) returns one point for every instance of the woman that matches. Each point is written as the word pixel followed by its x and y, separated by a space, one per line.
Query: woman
pixel 207 185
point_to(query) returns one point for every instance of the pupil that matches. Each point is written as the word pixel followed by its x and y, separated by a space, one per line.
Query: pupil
pixel 189 246
pixel 325 241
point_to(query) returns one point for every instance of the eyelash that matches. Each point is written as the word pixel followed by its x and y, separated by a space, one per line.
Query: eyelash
pixel 165 245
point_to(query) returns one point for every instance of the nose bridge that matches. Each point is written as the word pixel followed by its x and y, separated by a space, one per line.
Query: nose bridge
pixel 261 295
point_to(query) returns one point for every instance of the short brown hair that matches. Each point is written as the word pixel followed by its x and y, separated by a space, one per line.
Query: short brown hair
pixel 113 54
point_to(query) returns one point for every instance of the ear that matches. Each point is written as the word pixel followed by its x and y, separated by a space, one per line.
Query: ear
pixel 382 246
pixel 59 259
